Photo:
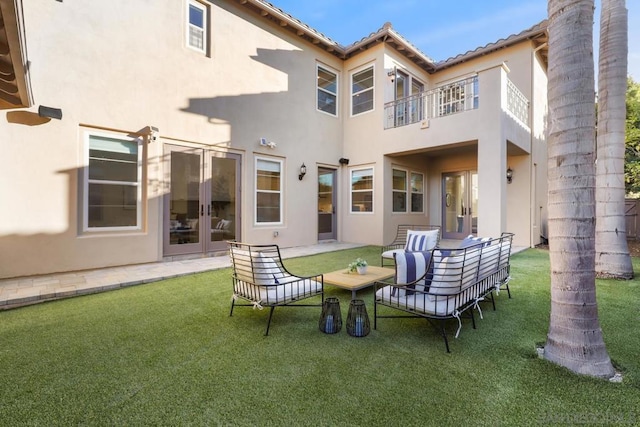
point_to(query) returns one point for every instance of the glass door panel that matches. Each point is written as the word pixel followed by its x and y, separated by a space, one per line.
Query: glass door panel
pixel 223 208
pixel 182 230
pixel 326 204
pixel 459 204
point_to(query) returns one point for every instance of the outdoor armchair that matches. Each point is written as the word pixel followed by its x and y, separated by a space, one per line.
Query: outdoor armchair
pixel 261 280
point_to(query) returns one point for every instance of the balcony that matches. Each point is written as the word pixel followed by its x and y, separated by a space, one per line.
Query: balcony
pixel 452 98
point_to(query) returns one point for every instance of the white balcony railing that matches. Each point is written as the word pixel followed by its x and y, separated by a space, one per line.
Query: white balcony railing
pixel 517 103
pixel 451 98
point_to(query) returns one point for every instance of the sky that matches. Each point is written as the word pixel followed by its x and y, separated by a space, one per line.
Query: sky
pixel 442 29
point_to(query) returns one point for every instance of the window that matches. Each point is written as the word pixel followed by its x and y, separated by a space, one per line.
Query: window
pixel 327 91
pixel 399 190
pixel 197 26
pixel 362 190
pixel 112 188
pixel 268 191
pixel 417 192
pixel 416 109
pixel 362 91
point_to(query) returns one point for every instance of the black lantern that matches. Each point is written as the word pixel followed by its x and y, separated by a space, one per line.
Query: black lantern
pixel 330 319
pixel 357 319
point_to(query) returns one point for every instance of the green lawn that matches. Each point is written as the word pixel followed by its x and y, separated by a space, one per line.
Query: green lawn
pixel 168 353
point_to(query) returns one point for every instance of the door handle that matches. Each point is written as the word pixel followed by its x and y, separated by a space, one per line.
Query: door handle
pixel 208 210
pixel 201 210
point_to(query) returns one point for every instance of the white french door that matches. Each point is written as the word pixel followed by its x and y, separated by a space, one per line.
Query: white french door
pixel 201 206
pixel 459 204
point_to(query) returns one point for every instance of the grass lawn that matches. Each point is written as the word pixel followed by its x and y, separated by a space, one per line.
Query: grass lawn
pixel 168 353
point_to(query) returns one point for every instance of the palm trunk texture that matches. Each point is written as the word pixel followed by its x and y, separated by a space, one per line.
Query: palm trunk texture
pixel 575 339
pixel 612 251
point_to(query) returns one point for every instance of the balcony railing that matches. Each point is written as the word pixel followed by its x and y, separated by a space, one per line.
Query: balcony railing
pixel 445 100
pixel 517 103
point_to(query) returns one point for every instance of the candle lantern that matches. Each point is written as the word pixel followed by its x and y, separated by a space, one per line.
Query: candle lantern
pixel 330 319
pixel 357 319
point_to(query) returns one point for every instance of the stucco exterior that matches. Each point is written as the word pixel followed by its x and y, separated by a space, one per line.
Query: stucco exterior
pixel 123 69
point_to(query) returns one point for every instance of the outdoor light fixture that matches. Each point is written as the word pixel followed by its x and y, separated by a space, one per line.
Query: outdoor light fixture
pixel 509 175
pixel 52 113
pixel 303 172
pixel 343 161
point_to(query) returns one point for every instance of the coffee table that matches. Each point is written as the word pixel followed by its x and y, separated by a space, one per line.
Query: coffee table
pixel 355 281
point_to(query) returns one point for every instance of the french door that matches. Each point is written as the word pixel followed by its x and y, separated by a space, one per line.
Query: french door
pixel 459 204
pixel 327 204
pixel 201 206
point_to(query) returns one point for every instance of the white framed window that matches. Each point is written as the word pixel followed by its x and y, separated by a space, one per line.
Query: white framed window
pixel 112 184
pixel 362 190
pixel 417 192
pixel 268 191
pixel 327 93
pixel 399 190
pixel 362 84
pixel 197 26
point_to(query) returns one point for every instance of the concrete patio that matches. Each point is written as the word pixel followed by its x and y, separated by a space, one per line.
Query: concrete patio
pixel 22 291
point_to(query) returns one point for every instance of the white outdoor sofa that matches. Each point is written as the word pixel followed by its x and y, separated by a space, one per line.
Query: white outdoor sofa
pixel 443 284
pixel 261 280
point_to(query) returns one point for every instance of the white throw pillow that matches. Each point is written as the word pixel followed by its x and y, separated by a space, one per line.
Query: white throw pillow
pixel 419 241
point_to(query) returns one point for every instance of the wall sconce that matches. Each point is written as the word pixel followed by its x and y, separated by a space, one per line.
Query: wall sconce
pixel 52 113
pixel 509 175
pixel 303 172
pixel 343 161
pixel 392 75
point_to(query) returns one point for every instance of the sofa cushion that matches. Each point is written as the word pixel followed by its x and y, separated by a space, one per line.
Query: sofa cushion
pixel 471 240
pixel 411 266
pixel 418 240
pixel 451 274
pixel 489 260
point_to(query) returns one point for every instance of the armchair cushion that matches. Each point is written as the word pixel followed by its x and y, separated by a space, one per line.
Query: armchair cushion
pixel 419 241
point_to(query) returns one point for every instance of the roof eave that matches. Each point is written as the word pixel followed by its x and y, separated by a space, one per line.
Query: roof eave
pixel 15 90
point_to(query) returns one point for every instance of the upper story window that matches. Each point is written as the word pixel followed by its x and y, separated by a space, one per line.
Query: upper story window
pixel 268 191
pixel 197 26
pixel 362 190
pixel 362 91
pixel 327 91
pixel 112 196
pixel 399 190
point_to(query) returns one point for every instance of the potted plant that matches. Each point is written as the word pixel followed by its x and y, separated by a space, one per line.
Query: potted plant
pixel 359 265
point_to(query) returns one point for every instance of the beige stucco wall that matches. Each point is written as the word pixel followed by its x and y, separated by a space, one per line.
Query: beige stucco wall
pixel 125 66
pixel 122 66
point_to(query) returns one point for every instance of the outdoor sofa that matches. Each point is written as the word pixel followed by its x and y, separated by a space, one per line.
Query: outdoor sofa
pixel 443 284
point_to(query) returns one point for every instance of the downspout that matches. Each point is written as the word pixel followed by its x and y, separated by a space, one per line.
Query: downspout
pixel 533 210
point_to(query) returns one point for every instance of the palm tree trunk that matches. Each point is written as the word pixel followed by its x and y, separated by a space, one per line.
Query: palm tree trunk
pixel 575 339
pixel 612 252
